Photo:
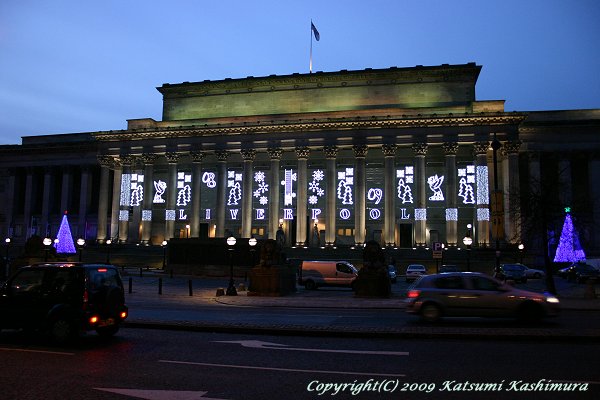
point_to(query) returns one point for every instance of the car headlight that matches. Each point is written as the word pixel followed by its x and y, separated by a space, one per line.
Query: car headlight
pixel 552 299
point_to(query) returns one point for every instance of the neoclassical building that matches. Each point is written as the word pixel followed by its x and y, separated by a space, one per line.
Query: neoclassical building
pixel 404 156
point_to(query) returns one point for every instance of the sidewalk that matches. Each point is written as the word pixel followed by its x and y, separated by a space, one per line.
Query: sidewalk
pixel 176 309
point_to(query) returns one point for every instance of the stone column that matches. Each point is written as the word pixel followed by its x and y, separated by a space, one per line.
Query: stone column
pixel 275 155
pixel 197 157
pixel 330 154
pixel 148 160
pixel 46 199
pixel 483 194
pixel 248 156
pixel 101 233
pixel 67 187
pixel 535 240
pixel 27 201
pixel 302 196
pixel 222 156
pixel 420 150
pixel 116 198
pixel 565 185
pixel 594 185
pixel 125 207
pixel 84 199
pixel 450 150
pixel 389 194
pixel 170 212
pixel 360 200
pixel 510 181
pixel 10 206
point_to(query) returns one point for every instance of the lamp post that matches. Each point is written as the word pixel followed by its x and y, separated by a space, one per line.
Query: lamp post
pixel 108 243
pixel 6 263
pixel 47 242
pixel 467 241
pixel 80 244
pixel 521 248
pixel 164 246
pixel 231 288
pixel 252 242
pixel 187 231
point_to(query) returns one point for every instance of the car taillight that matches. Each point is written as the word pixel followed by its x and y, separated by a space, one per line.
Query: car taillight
pixel 123 315
pixel 93 320
pixel 413 294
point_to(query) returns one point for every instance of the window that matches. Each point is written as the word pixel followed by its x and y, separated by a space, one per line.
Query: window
pixel 449 282
pixel 27 281
pixel 481 283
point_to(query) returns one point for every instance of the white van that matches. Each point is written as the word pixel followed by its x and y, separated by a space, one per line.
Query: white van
pixel 327 273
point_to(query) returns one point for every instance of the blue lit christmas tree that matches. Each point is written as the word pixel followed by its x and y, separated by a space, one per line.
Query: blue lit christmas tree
pixel 65 243
pixel 569 249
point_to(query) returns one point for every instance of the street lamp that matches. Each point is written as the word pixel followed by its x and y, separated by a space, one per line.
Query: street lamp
pixel 467 241
pixel 252 242
pixel 187 231
pixel 521 248
pixel 80 244
pixel 164 246
pixel 108 242
pixel 231 288
pixel 47 242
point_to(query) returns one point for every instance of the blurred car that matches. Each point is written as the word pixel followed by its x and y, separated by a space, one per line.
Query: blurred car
pixel 414 271
pixel 532 273
pixel 513 272
pixel 579 272
pixel 472 294
pixel 64 299
pixel 449 268
pixel 392 273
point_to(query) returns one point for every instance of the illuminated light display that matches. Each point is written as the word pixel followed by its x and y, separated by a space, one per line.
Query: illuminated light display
pixel 288 191
pixel 345 183
pixel 569 248
pixel 435 184
pixel 345 213
pixel 404 214
pixel 315 213
pixel 182 215
pixel 208 178
pixel 184 193
pixel 483 196
pixel 146 215
pixel 137 190
pixel 233 212
pixel 262 188
pixel 125 188
pixel 65 243
pixel 313 199
pixel 375 194
pixel 207 214
pixel 260 213
pixel 483 214
pixel 160 187
pixel 420 214
pixel 123 215
pixel 234 183
pixel 288 213
pixel 405 178
pixel 170 215
pixel 314 185
pixel 374 213
pixel 465 184
pixel 451 214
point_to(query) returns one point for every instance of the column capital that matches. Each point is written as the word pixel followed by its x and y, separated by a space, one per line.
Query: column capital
pixel 481 147
pixel 148 158
pixel 117 162
pixel 330 151
pixel 172 158
pixel 511 147
pixel 420 149
pixel 127 160
pixel 105 160
pixel 197 156
pixel 248 154
pixel 360 150
pixel 389 150
pixel 302 152
pixel 450 148
pixel 222 155
pixel 275 153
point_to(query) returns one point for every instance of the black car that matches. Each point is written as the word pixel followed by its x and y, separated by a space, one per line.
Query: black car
pixel 64 299
pixel 579 272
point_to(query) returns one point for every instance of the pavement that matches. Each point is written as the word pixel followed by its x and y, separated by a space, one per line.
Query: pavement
pixel 176 309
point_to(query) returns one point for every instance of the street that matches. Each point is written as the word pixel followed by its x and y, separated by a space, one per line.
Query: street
pixel 163 364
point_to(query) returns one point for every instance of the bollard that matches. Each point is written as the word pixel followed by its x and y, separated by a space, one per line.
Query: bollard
pixel 159 285
pixel 190 287
pixel 130 285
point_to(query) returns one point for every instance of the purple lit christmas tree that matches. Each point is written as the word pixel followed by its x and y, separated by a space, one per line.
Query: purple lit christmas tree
pixel 65 243
pixel 569 249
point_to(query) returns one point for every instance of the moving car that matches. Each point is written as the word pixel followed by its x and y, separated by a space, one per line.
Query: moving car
pixel 64 299
pixel 472 294
pixel 327 273
pixel 414 271
pixel 579 272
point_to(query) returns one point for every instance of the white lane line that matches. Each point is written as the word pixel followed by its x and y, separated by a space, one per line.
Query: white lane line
pixel 60 353
pixel 257 344
pixel 310 371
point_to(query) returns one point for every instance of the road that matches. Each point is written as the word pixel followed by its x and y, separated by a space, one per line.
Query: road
pixel 152 364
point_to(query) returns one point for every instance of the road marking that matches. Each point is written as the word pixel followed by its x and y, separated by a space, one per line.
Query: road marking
pixel 310 371
pixel 60 353
pixel 257 344
pixel 159 394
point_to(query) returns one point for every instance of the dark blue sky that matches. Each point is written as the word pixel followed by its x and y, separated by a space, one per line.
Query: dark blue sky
pixel 77 66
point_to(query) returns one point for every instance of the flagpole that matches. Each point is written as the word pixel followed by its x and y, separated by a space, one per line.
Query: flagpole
pixel 310 62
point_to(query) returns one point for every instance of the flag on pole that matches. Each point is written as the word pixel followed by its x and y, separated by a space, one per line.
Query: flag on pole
pixel 315 31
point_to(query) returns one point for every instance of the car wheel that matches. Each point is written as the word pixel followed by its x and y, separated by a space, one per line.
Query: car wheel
pixel 63 330
pixel 107 331
pixel 310 285
pixel 431 312
pixel 529 312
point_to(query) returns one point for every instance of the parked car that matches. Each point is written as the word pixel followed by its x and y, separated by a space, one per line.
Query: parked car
pixel 327 273
pixel 414 271
pixel 579 272
pixel 532 273
pixel 392 273
pixel 513 272
pixel 64 299
pixel 449 268
pixel 472 294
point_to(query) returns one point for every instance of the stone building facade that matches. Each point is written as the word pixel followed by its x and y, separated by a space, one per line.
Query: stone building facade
pixel 404 156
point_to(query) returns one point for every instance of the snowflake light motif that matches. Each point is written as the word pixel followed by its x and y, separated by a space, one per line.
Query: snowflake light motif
pixel 259 176
pixel 320 192
pixel 312 200
pixel 313 186
pixel 263 200
pixel 318 175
